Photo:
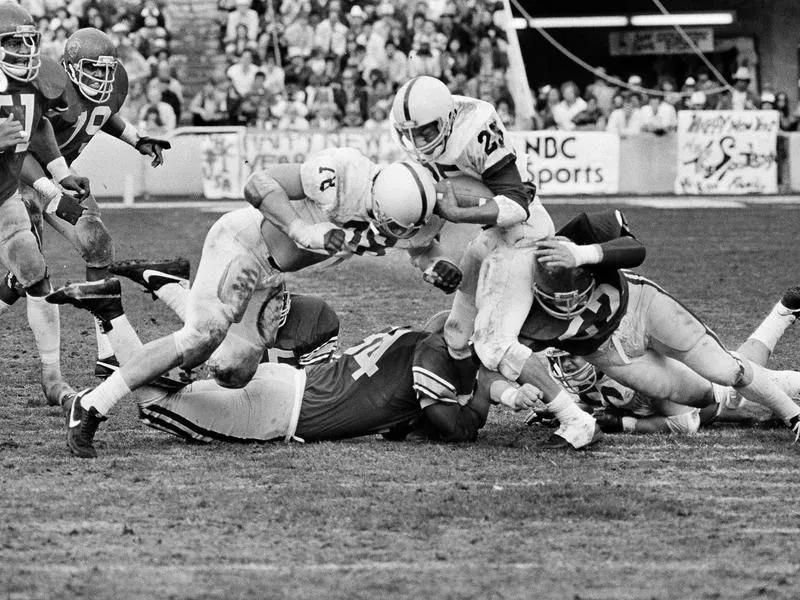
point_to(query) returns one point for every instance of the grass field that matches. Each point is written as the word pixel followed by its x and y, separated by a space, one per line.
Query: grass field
pixel 713 516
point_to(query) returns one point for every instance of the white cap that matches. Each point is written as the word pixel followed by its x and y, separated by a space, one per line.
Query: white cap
pixel 634 80
pixel 697 99
pixel 742 74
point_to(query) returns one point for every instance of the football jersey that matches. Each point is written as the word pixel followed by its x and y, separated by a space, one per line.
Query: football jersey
pixel 611 394
pixel 77 119
pixel 477 144
pixel 338 187
pixel 385 380
pixel 584 333
pixel 309 335
pixel 27 102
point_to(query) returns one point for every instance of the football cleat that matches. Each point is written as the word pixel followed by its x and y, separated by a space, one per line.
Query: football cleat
pixel 579 432
pixel 790 303
pixel 150 274
pixel 101 298
pixel 82 424
pixel 104 367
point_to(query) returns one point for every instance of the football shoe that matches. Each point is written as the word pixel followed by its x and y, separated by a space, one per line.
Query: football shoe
pixel 101 298
pixel 152 275
pixel 790 303
pixel 82 424
pixel 578 432
pixel 11 289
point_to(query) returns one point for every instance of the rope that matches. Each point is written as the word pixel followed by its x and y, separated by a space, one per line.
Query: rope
pixel 597 73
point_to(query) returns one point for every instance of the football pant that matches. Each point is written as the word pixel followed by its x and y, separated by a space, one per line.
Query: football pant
pixel 19 246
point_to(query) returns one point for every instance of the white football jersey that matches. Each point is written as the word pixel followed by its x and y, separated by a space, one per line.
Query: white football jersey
pixel 611 393
pixel 477 142
pixel 338 187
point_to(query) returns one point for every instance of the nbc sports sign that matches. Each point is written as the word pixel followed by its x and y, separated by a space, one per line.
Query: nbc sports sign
pixel 569 162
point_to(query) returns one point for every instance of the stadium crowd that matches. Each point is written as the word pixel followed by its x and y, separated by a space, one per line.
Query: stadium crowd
pixel 606 107
pixel 325 64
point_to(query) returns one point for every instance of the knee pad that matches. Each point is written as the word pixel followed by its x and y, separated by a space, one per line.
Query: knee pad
pixel 686 423
pixel 235 361
pixel 25 259
pixel 237 284
pixel 195 346
pixel 95 244
pixel 258 186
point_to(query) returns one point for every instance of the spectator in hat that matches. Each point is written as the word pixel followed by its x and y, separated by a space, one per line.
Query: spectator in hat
pixel 768 100
pixel 697 101
pixel 742 97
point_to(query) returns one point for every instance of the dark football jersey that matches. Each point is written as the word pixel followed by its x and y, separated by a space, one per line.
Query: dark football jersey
pixel 584 333
pixel 386 379
pixel 27 101
pixel 77 119
pixel 309 336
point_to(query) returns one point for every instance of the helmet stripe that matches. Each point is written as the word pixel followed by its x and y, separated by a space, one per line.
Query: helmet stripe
pixel 422 194
pixel 409 85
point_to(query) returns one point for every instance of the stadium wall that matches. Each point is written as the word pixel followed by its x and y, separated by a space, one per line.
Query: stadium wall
pixel 215 163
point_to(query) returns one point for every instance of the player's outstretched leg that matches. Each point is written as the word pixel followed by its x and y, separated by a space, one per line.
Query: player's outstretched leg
pixel 167 280
pixel 82 423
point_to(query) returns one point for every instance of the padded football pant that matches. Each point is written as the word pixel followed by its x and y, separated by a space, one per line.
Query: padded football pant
pixel 656 326
pixel 483 305
pixel 88 236
pixel 266 409
pixel 19 248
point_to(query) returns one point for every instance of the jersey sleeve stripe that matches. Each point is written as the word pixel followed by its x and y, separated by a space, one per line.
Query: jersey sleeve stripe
pixel 425 391
pixel 430 375
pixel 320 353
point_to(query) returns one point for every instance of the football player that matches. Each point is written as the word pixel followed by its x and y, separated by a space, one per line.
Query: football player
pixel 97 88
pixel 244 256
pixel 456 135
pixel 623 409
pixel 390 379
pixel 623 324
pixel 28 85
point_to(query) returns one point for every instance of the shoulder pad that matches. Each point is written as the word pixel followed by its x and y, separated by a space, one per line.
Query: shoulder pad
pixel 52 79
pixel 120 85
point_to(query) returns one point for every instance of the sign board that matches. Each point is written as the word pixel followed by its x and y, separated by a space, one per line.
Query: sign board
pixel 659 41
pixel 727 152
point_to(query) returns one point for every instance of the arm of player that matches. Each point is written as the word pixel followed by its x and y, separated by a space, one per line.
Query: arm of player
pixel 44 147
pixel 271 192
pixel 33 174
pixel 121 129
pixel 436 268
pixel 455 423
pixel 500 390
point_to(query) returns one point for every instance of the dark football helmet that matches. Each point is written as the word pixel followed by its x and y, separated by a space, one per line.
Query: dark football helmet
pixel 90 61
pixel 562 293
pixel 573 373
pixel 19 43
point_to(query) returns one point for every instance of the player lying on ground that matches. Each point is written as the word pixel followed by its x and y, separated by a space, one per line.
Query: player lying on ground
pixel 92 97
pixel 456 136
pixel 619 408
pixel 622 324
pixel 29 84
pixel 244 255
pixel 391 378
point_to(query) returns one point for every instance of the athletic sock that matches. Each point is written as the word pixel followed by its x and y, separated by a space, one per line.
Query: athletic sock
pixel 789 381
pixel 123 339
pixel 105 396
pixel 104 349
pixel 564 408
pixel 43 319
pixel 765 391
pixel 773 327
pixel 175 296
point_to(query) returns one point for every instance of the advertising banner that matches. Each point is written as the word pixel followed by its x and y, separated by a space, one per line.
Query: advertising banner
pixel 727 152
pixel 659 41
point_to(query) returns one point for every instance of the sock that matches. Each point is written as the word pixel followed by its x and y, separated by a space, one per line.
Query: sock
pixel 564 408
pixel 789 381
pixel 43 319
pixel 104 349
pixel 106 395
pixel 764 390
pixel 176 296
pixel 772 328
pixel 124 339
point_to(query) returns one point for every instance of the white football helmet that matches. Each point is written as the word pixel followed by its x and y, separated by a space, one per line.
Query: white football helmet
pixel 422 116
pixel 573 373
pixel 403 197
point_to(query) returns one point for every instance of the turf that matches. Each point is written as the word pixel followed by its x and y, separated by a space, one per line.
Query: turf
pixel 713 516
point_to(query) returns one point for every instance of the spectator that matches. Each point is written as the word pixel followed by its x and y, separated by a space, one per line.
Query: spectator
pixel 378 118
pixel 506 113
pixel 452 29
pixel 248 109
pixel 152 123
pixel 570 105
pixel 767 101
pixel 292 120
pixel 150 10
pixel 290 10
pixel 298 71
pixel 242 72
pixel 325 118
pixel 208 107
pixel 424 61
pixel 787 121
pixel 552 98
pixel 54 48
pixel 330 35
pixel 697 101
pixel 625 121
pixel 591 118
pixel 667 86
pixel 742 98
pixel 63 19
pixel 168 95
pixel 659 116
pixel 396 65
pixel 242 15
pixel 601 91
pixel 299 36
pixel 135 64
pixel 241 41
pixel 166 113
pixel 486 58
pixel 350 95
